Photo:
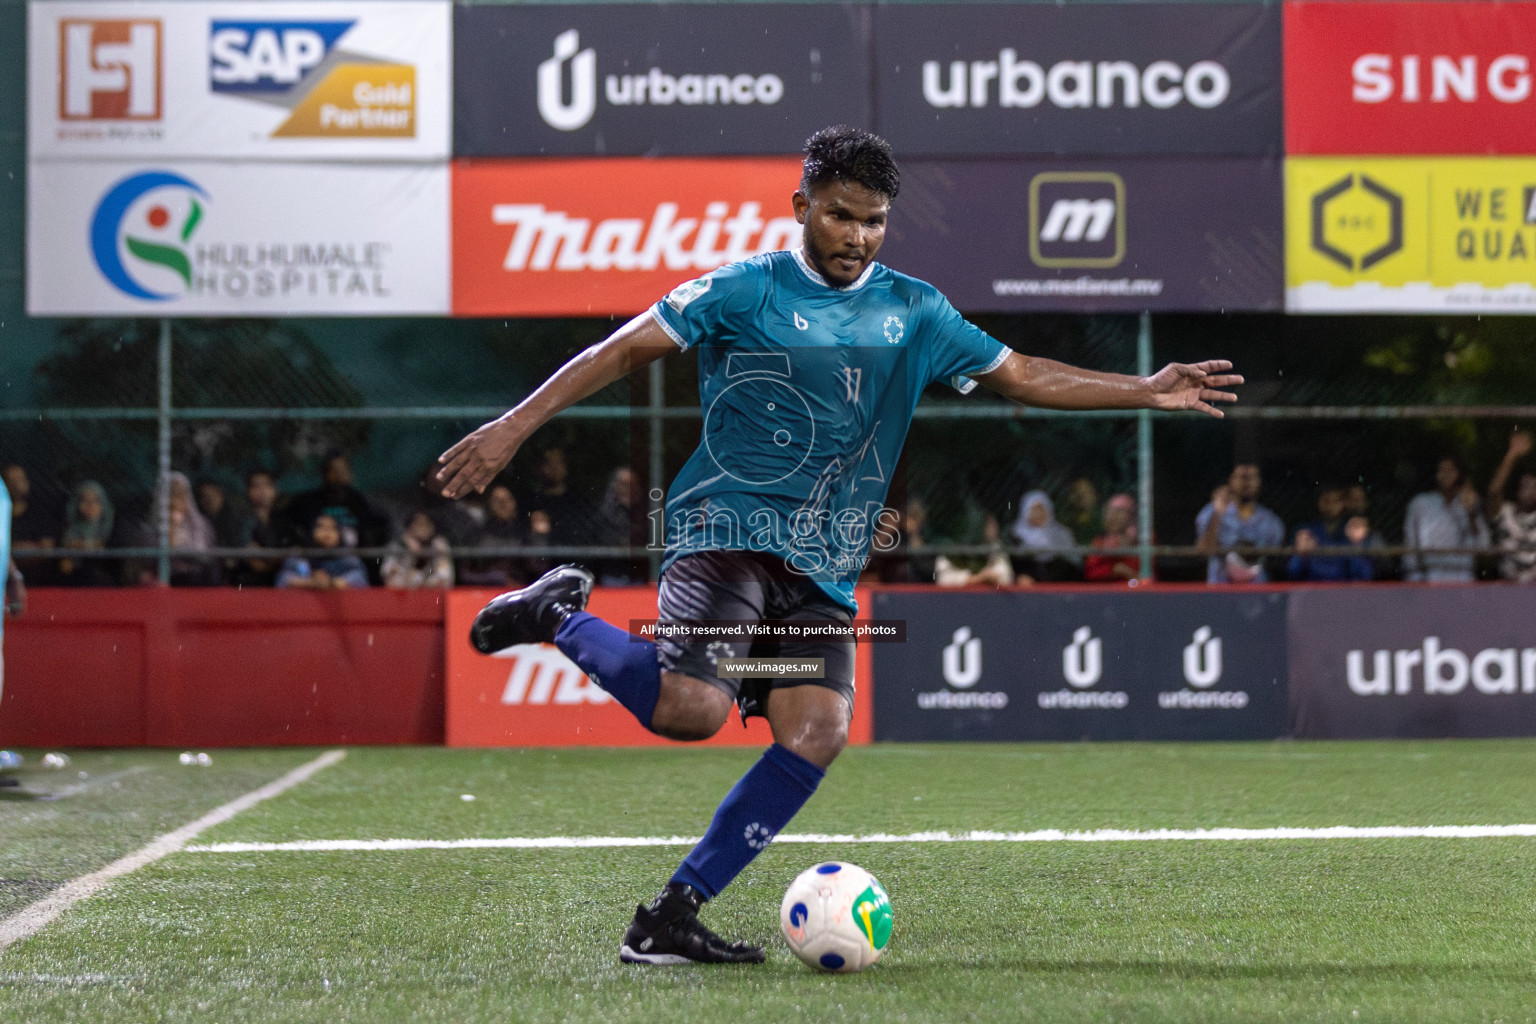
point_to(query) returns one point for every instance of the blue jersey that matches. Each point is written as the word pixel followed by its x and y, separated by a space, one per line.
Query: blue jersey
pixel 807 390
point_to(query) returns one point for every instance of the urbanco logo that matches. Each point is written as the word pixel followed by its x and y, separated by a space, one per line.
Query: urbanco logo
pixel 1202 670
pixel 961 663
pixel 1070 84
pixel 656 88
pixel 1444 670
pixel 150 218
pixel 541 675
pixel 1082 666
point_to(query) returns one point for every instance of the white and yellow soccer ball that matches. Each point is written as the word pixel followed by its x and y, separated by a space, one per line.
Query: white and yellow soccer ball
pixel 836 917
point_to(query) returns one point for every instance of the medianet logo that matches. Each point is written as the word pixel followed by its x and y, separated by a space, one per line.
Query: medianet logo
pixel 1442 670
pixel 962 670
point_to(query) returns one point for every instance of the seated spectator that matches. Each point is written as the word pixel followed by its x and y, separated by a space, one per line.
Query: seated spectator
pixel 1052 555
pixel 187 531
pixel 1119 532
pixel 1332 529
pixel 1515 521
pixel 419 557
pixel 325 572
pixel 1080 511
pixel 359 520
pixel 262 527
pixel 503 528
pixel 620 522
pixel 88 522
pixel 570 518
pixel 215 506
pixel 1232 524
pixel 993 569
pixel 905 557
pixel 1450 516
pixel 32 528
pixel 1357 503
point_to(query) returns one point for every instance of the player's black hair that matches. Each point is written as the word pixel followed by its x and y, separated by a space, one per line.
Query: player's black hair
pixel 841 153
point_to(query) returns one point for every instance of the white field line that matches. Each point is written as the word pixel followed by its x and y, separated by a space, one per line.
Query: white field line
pixel 1108 835
pixel 32 918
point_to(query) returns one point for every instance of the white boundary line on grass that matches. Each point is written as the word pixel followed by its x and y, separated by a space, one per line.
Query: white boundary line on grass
pixel 31 919
pixel 1107 835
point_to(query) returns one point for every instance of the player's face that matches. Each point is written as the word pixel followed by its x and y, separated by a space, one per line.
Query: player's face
pixel 844 228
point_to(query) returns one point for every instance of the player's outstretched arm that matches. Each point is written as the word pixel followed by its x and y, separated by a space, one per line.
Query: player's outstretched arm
pixel 1045 383
pixel 471 464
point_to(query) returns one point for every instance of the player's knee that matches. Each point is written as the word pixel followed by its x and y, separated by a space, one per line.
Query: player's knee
pixel 689 709
pixel 819 738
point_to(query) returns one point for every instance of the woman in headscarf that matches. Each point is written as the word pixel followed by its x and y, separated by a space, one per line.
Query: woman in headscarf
pixel 1052 557
pixel 88 522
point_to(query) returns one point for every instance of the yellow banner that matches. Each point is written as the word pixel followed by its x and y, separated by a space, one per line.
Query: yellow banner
pixel 357 101
pixel 1410 234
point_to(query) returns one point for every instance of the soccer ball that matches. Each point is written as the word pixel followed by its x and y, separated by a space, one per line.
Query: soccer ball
pixel 836 917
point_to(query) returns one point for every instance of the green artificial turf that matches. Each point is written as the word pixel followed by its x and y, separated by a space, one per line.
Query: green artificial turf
pixel 1337 930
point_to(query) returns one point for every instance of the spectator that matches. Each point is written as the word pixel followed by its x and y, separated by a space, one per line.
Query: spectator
pixel 907 559
pixel 31 527
pixel 360 522
pixel 1357 502
pixel 419 557
pixel 1450 516
pixel 1119 532
pixel 1080 511
pixel 503 528
pixel 88 522
pixel 570 518
pixel 993 570
pixel 1515 521
pixel 620 522
pixel 1053 550
pixel 262 527
pixel 337 571
pixel 1334 528
pixel 214 504
pixel 188 531
pixel 1232 524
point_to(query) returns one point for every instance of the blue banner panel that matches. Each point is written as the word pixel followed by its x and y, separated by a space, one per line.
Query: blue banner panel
pixel 1079 78
pixel 1413 662
pixel 655 79
pixel 1093 235
pixel 1080 665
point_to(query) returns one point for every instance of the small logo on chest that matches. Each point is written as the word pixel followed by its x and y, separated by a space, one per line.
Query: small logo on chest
pixel 801 322
pixel 894 329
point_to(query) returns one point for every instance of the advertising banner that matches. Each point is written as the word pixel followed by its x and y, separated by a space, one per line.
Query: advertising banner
pixel 633 79
pixel 533 696
pixel 1410 78
pixel 1093 235
pixel 1400 235
pixel 1079 665
pixel 1078 78
pixel 1412 662
pixel 587 237
pixel 275 80
pixel 224 239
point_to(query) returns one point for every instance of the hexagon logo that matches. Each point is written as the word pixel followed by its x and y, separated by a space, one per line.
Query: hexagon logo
pixel 1357 222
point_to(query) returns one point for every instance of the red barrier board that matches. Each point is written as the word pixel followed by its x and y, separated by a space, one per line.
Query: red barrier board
pixel 581 237
pixel 1410 78
pixel 533 696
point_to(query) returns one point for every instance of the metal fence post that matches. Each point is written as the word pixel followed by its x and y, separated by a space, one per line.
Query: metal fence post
pixel 1144 451
pixel 163 481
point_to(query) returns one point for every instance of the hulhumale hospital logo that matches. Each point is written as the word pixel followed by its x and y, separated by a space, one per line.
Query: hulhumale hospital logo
pixel 140 233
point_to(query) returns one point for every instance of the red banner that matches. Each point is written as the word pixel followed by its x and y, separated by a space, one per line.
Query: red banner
pixel 586 237
pixel 1410 78
pixel 533 696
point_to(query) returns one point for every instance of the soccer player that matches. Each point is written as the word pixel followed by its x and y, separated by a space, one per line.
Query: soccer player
pixel 811 363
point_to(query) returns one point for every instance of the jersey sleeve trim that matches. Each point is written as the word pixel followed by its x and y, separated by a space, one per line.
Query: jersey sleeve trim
pixel 963 382
pixel 660 318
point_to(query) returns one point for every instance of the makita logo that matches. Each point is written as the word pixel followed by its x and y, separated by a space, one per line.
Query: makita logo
pixel 569 110
pixel 1073 84
pixel 542 675
pixel 1414 78
pixel 544 239
pixel 1441 670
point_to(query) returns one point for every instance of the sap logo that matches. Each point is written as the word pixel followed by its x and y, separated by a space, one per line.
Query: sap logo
pixel 111 70
pixel 542 675
pixel 962 659
pixel 1077 219
pixel 268 56
pixel 1446 670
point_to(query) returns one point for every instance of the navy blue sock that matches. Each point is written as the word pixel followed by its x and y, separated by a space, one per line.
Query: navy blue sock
pixel 760 804
pixel 621 664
